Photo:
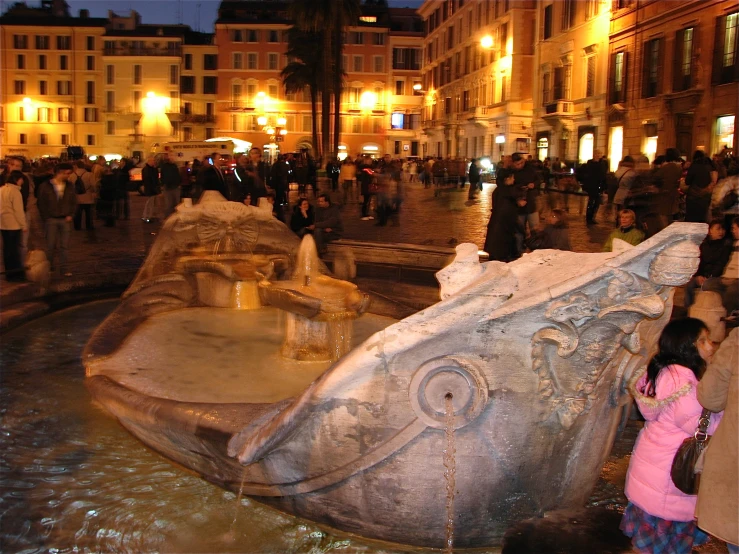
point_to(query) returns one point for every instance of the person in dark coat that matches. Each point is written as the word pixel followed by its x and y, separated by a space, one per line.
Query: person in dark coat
pixel 667 180
pixel 528 181
pixel 500 241
pixel 328 224
pixel 593 179
pixel 57 203
pixel 171 179
pixel 474 178
pixel 715 254
pixel 212 177
pixel 302 220
pixel 700 181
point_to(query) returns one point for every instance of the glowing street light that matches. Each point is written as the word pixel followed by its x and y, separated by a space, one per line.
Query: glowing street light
pixel 418 87
pixel 262 120
pixel 281 121
pixel 486 41
pixel 368 100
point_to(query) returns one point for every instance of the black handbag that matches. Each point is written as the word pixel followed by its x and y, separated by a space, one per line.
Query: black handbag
pixel 683 464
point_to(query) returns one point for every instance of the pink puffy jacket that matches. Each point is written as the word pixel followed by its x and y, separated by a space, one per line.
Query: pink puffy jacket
pixel 671 417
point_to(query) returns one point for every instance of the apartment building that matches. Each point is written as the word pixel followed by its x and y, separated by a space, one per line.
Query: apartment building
pixel 252 104
pixel 673 77
pixel 571 67
pixel 478 76
pixel 51 80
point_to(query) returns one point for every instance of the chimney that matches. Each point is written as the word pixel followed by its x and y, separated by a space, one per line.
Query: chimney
pixel 84 14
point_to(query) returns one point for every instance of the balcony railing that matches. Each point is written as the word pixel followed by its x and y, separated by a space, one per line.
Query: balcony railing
pixel 240 106
pixel 120 110
pixel 197 118
pixel 137 137
pixel 559 107
pixel 141 51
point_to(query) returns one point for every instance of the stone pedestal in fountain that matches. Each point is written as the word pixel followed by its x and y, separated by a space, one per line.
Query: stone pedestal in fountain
pixel 320 309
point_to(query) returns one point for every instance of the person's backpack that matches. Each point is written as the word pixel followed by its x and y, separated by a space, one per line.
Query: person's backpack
pixel 79 185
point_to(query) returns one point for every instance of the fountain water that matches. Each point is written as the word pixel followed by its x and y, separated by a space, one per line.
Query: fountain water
pixel 319 309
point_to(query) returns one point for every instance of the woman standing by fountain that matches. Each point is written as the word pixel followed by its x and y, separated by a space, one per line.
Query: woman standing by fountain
pixel 659 517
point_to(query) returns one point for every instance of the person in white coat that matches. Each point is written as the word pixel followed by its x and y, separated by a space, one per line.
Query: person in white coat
pixel 12 225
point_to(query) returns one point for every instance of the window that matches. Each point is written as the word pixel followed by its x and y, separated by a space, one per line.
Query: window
pixel 252 36
pixel 64 115
pixel 548 17
pixel 237 35
pixel 64 139
pixel 448 105
pixel 63 62
pixel 137 100
pixel 546 89
pixel 20 42
pixel 90 43
pixel 725 58
pixel 251 90
pixel 187 133
pixel 568 14
pixel 272 61
pixel 652 70
pixel 379 39
pixel 175 129
pixel 210 62
pixel 136 74
pixel 683 60
pixel 590 76
pixel 273 36
pixel 210 109
pixel 22 138
pixel 567 82
pixel 465 100
pixel 90 63
pixel 558 84
pixel 187 85
pixel 110 127
pixel 399 88
pixel 187 108
pixel 238 60
pixel 210 133
pixel 591 8
pixel 188 62
pixel 42 42
pixel 357 63
pixel 109 75
pixel 42 61
pixel 90 92
pixel 21 113
pixel 174 74
pixel 91 115
pixel 43 139
pixel 43 88
pixel 379 64
pixel 356 38
pixel 273 91
pixel 19 87
pixel 20 61
pixel 617 87
pixel 307 123
pixel 109 101
pixel 210 85
pixel 90 140
pixel 356 125
pixel 503 88
pixel 251 60
pixel 62 43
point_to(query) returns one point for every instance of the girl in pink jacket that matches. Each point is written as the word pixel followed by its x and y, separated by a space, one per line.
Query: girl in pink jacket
pixel 659 517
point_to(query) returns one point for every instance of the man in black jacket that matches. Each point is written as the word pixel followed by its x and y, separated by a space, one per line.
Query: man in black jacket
pixel 170 177
pixel 328 224
pixel 528 181
pixel 57 203
pixel 212 177
pixel 151 188
pixel 592 176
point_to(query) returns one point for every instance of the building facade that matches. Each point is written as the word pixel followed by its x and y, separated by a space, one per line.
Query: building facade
pixel 51 80
pixel 571 68
pixel 478 77
pixel 673 77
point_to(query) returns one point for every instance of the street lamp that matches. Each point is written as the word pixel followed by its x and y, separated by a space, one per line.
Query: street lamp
pixel 486 41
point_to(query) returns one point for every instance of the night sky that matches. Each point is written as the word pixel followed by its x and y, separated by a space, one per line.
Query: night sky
pixel 166 11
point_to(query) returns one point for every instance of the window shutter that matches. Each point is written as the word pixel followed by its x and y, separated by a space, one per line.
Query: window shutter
pixel 646 64
pixel 625 86
pixel 677 73
pixel 660 65
pixel 558 75
pixel 695 45
pixel 612 80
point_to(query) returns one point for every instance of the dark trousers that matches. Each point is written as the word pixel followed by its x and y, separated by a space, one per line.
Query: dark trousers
pixel 123 207
pixel 366 203
pixel 87 208
pixel 593 205
pixel 12 255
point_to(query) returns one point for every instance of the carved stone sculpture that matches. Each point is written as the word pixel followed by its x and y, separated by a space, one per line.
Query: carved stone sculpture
pixel 533 355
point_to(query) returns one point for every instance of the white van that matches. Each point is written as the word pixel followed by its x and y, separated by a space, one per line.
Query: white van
pixel 181 152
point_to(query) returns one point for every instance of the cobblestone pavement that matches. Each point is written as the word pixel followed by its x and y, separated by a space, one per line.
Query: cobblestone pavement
pixel 446 219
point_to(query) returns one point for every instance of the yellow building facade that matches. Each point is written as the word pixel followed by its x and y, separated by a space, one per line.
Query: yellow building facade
pixel 51 81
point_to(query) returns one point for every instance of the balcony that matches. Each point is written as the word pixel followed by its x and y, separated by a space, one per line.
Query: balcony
pixel 120 50
pixel 558 111
pixel 120 110
pixel 683 101
pixel 137 137
pixel 198 119
pixel 239 106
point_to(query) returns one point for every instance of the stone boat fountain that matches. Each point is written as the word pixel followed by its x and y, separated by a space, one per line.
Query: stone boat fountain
pixel 527 361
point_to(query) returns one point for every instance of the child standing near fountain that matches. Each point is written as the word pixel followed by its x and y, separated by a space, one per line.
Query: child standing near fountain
pixel 659 517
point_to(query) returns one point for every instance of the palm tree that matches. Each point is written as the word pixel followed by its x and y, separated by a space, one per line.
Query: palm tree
pixel 304 71
pixel 346 13
pixel 327 18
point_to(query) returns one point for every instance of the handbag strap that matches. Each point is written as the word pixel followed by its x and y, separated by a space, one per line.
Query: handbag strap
pixel 701 434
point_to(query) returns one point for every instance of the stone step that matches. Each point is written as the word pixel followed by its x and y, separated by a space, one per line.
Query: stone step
pixel 20 312
pixel 13 293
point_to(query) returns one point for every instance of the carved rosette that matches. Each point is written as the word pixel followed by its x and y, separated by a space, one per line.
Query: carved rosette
pixel 588 331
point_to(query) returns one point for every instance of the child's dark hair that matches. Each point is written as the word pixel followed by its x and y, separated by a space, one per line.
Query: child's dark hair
pixel 677 346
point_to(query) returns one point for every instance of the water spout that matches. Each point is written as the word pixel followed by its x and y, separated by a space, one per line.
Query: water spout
pixel 450 469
